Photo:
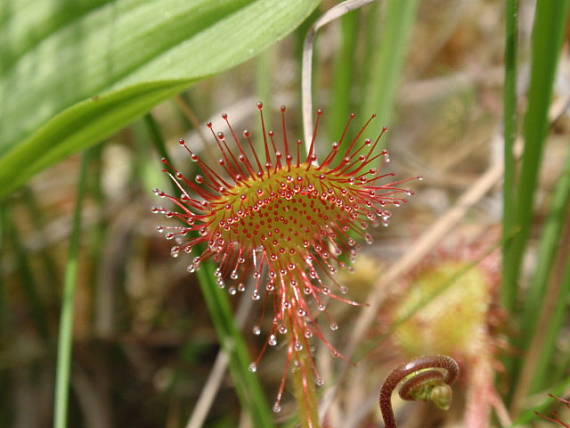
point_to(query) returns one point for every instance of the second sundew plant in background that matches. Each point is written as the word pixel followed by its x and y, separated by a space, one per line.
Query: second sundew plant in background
pixel 287 222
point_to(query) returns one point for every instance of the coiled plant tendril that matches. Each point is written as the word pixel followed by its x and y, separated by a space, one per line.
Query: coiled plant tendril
pixel 426 378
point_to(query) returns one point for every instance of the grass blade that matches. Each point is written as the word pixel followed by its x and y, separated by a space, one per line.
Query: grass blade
pixel 156 137
pixel 247 385
pixel 344 73
pixel 539 322
pixel 548 32
pixel 552 333
pixel 264 76
pixel 508 291
pixel 65 339
pixel 388 61
pixel 550 241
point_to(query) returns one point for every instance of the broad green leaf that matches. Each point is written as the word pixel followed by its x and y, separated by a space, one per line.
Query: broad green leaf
pixel 73 72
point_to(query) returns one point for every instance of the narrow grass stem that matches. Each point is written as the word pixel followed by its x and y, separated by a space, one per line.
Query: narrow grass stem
pixel 248 388
pixel 510 133
pixel 65 338
pixel 548 249
pixel 156 137
pixel 264 76
pixel 307 70
pixel 183 103
pixel 559 312
pixel 547 37
pixel 388 62
pixel 546 298
pixel 344 77
pixel 548 34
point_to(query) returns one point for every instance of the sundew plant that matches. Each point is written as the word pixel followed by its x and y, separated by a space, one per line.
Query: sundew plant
pixel 267 292
pixel 280 219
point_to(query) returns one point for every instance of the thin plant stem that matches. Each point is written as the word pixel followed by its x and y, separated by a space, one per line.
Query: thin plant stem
pixel 548 33
pixel 344 71
pixel 156 137
pixel 264 76
pixel 65 338
pixel 510 133
pixel 550 246
pixel 185 107
pixel 307 69
pixel 556 323
pixel 305 392
pixel 388 61
pixel 546 296
pixel 554 243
